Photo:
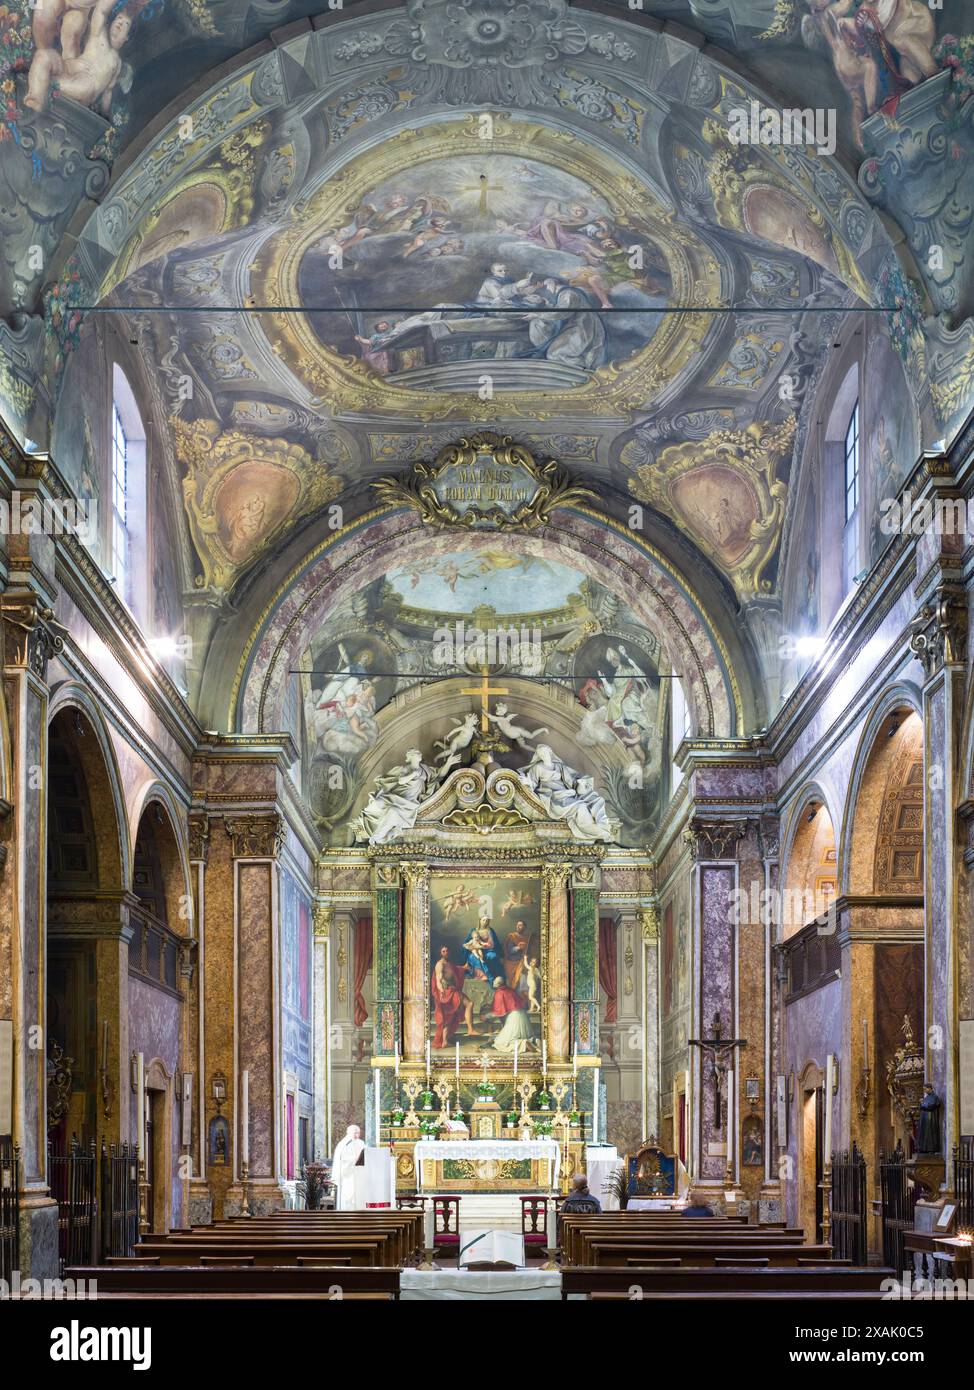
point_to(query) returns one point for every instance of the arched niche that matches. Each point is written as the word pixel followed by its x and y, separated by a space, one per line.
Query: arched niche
pixel 810 878
pixel 884 817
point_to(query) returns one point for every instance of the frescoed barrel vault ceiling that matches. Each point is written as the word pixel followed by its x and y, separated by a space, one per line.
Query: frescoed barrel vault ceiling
pixel 376 183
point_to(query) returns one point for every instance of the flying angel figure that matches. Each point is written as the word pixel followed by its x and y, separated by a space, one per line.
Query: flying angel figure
pixel 505 722
pixel 453 745
pixel 515 900
pixel 461 897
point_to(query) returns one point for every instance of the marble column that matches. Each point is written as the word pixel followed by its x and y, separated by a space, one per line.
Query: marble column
pixel 559 1030
pixel 387 958
pixel 713 846
pixel 256 841
pixel 648 927
pixel 939 640
pixel 416 965
pixel 200 1207
pixel 29 642
pixel 321 1034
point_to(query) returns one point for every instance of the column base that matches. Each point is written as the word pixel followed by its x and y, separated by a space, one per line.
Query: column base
pixel 200 1211
pixel 265 1195
pixel 39 1238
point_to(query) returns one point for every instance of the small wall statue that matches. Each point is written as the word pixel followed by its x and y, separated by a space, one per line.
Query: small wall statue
pixel 929 1131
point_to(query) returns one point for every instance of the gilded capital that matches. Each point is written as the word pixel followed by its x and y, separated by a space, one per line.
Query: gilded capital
pixel 258 836
pixel 324 916
pixel 649 923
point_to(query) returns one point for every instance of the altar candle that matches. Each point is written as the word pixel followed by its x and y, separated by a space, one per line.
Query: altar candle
pixel 595 1108
pixel 397 1059
pixel 427 1061
pixel 544 1057
pixel 552 1226
pixel 865 1043
pixel 458 1068
pixel 516 1046
pixel 829 1087
pixel 245 1117
pixel 429 1230
pixel 140 1104
pixel 730 1122
pixel 377 1083
pixel 575 1063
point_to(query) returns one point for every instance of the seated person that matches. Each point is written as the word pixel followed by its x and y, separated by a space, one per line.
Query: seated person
pixel 580 1200
pixel 697 1204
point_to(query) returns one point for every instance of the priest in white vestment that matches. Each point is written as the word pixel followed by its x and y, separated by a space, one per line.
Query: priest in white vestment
pixel 348 1151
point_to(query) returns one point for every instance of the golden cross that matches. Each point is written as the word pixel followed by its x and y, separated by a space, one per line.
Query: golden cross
pixel 484 690
pixel 485 188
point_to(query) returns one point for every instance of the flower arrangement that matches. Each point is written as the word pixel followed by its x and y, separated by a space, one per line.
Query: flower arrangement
pixel 486 1090
pixel 428 1099
pixel 511 1119
pixel 544 1100
pixel 429 1126
pixel 541 1128
pixel 398 1116
pixel 958 55
pixel 574 1117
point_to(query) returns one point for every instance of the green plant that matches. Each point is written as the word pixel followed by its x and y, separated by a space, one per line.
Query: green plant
pixel 541 1128
pixel 429 1127
pixel 398 1116
pixel 544 1099
pixel 428 1099
pixel 617 1186
pixel 486 1090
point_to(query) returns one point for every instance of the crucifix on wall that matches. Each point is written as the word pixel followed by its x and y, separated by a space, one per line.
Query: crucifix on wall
pixel 485 690
pixel 721 1052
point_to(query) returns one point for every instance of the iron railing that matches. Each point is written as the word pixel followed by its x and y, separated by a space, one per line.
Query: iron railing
pixel 897 1200
pixel 119 1200
pixel 72 1176
pixel 964 1184
pixel 849 1205
pixel 9 1208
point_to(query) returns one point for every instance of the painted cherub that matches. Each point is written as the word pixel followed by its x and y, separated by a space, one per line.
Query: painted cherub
pixel 91 76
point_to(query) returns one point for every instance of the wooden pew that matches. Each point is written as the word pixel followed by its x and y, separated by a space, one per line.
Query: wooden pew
pixel 788 1282
pixel 328 1283
pixel 617 1252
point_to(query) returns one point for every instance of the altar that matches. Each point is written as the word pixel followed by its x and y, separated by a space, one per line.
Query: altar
pixel 512 1165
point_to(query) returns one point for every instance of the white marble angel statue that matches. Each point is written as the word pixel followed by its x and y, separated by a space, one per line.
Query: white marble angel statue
pixel 395 803
pixel 450 748
pixel 567 795
pixel 505 722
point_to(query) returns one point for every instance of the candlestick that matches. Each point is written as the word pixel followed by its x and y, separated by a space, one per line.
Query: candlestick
pixel 140 1104
pixel 245 1117
pixel 829 1087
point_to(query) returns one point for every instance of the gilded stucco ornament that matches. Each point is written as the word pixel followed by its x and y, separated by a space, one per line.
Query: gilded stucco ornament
pixel 725 491
pixel 484 481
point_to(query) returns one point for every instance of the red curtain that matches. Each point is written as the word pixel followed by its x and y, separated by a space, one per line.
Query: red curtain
pixel 608 974
pixel 363 964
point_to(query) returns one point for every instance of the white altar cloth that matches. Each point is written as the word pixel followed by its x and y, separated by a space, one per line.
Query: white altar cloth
pixel 423 1284
pixel 474 1150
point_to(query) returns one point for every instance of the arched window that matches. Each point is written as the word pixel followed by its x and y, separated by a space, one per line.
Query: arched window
pixel 679 726
pixel 851 551
pixel 128 491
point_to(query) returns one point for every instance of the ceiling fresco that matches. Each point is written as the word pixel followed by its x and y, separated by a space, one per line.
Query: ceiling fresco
pixel 439 217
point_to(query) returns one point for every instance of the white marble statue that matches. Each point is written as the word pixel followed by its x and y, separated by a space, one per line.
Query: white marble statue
pixel 451 747
pixel 394 805
pixel 515 732
pixel 567 795
pixel 347 1154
